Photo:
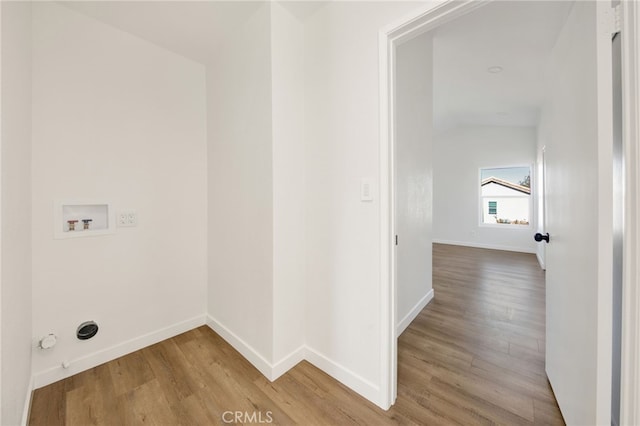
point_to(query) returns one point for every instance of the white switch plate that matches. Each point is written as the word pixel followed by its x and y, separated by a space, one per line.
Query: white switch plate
pixel 127 218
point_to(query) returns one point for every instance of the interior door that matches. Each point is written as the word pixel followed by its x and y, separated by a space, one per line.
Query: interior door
pixel 542 212
pixel 577 120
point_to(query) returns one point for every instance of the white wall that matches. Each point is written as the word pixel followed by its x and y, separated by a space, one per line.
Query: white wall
pixel 241 218
pixel 289 182
pixel 120 119
pixel 257 190
pixel 458 156
pixel 413 177
pixel 249 201
pixel 16 210
pixel 343 315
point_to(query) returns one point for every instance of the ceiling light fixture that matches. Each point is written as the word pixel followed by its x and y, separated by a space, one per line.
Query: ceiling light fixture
pixel 495 69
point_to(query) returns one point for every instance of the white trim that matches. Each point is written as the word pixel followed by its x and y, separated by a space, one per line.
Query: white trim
pixel 388 349
pixel 604 303
pixel 541 262
pixel 288 362
pixel 428 18
pixel 86 362
pixel 530 250
pixel 347 377
pixel 1 242
pixel 388 38
pixel 27 402
pixel 268 370
pixel 413 313
pixel 630 375
pixel 245 349
pixel 272 371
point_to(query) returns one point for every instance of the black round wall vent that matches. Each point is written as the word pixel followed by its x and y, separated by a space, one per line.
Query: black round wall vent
pixel 87 330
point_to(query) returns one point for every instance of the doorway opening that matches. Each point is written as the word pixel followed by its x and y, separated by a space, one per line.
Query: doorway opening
pixel 395 37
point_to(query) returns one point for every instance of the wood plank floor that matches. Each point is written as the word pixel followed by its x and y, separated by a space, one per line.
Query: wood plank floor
pixel 474 356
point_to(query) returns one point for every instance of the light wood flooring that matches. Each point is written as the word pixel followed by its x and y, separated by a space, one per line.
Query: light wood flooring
pixel 474 356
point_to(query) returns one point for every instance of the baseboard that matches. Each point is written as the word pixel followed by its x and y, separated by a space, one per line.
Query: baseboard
pixel 246 350
pixel 345 376
pixel 268 370
pixel 81 364
pixel 541 262
pixel 487 246
pixel 27 402
pixel 273 371
pixel 413 313
pixel 288 362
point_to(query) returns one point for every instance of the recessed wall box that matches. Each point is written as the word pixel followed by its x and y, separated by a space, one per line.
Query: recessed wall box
pixel 82 218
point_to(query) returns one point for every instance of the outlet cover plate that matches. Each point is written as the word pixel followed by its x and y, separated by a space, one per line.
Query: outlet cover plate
pixel 127 218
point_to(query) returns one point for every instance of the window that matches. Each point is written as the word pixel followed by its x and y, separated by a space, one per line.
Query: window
pixel 505 196
pixel 493 207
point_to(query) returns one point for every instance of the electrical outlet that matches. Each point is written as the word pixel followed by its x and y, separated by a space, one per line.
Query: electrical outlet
pixel 127 218
pixel 132 218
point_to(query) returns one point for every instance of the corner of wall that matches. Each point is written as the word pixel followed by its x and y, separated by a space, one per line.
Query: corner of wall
pixel 413 313
pixel 270 370
pixel 15 212
pixel 240 178
pixel 246 350
pixel 26 411
pixel 289 175
pixel 347 377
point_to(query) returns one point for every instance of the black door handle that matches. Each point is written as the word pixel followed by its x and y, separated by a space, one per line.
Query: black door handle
pixel 539 237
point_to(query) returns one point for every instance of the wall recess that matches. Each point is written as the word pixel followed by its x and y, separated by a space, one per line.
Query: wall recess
pixel 82 218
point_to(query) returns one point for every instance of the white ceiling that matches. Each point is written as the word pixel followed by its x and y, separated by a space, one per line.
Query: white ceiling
pixel 302 9
pixel 515 35
pixel 193 29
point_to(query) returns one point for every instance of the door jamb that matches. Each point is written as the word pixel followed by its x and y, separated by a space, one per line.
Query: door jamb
pixel 388 39
pixel 630 365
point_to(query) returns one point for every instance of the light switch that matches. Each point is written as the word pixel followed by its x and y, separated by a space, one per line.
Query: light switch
pixel 366 190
